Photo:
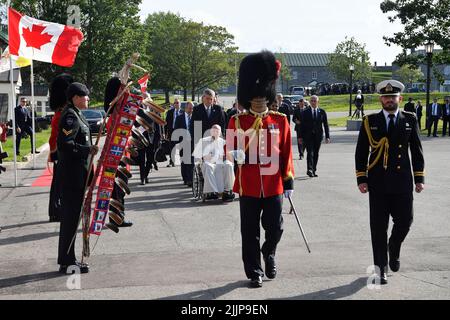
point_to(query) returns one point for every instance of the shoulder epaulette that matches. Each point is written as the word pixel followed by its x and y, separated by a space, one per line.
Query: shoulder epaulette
pixel 237 115
pixel 409 113
pixel 277 113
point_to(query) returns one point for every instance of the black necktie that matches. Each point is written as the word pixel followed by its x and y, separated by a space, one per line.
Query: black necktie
pixel 391 125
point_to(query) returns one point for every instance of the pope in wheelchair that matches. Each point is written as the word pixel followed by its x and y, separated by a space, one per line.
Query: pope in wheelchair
pixel 217 173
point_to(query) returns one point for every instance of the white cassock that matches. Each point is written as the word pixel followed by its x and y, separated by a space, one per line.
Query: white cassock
pixel 218 174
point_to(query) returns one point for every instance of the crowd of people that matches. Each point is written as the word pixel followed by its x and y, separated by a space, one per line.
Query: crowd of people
pixel 246 150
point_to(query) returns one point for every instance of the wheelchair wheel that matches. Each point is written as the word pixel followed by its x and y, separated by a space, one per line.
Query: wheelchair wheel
pixel 195 184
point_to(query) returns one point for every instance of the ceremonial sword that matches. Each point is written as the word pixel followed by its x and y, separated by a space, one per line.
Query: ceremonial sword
pixel 298 222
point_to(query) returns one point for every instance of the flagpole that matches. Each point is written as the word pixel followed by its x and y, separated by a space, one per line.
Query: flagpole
pixel 11 77
pixel 33 136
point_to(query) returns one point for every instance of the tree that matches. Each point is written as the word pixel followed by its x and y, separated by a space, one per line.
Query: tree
pixel 409 74
pixel 285 72
pixel 208 57
pixel 423 21
pixel 350 52
pixel 165 48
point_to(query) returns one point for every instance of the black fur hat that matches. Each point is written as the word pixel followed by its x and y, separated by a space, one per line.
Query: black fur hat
pixel 258 73
pixel 58 89
pixel 112 88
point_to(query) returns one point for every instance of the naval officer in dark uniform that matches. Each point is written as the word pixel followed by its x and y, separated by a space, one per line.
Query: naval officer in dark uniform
pixel 387 137
pixel 74 148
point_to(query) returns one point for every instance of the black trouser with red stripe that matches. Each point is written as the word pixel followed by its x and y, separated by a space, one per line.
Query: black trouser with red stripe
pixel 400 207
pixel 272 222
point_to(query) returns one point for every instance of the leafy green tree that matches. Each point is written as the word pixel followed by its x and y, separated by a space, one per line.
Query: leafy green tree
pixel 423 21
pixel 350 52
pixel 208 57
pixel 409 74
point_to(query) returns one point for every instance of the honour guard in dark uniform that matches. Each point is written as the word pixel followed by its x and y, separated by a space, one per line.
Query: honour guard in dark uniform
pixel 383 168
pixel 265 167
pixel 74 148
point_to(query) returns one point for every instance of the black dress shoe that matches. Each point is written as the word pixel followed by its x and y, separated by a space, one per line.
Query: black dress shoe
pixel 147 180
pixel 155 166
pixel 70 269
pixel 126 224
pixel 271 267
pixel 228 196
pixel 383 277
pixel 394 253
pixel 256 282
pixel 35 152
pixel 310 174
pixel 315 174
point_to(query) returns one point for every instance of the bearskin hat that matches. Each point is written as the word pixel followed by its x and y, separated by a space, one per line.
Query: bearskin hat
pixel 112 88
pixel 58 87
pixel 258 73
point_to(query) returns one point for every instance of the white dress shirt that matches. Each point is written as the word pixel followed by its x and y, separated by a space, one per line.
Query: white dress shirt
pixel 386 116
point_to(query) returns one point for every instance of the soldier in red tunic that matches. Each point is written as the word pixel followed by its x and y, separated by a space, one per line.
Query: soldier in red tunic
pixel 260 141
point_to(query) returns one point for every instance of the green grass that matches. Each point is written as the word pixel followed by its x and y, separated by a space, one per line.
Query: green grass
pixel 25 147
pixel 340 102
pixel 380 76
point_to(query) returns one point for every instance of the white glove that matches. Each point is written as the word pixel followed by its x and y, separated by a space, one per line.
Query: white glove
pixel 288 193
pixel 197 161
pixel 238 155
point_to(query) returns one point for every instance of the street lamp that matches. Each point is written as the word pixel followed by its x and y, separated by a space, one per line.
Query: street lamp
pixel 352 69
pixel 429 50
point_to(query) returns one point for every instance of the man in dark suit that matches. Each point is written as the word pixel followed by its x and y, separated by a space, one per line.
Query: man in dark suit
pixel 283 107
pixel 419 112
pixel 23 125
pixel 171 115
pixel 314 122
pixel 446 117
pixel 384 170
pixel 183 122
pixel 409 106
pixel 206 114
pixel 434 113
pixel 296 118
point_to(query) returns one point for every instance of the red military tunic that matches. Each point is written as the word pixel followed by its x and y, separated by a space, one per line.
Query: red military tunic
pixel 54 131
pixel 268 169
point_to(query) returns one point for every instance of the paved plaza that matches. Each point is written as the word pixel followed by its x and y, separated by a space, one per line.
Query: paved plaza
pixel 181 249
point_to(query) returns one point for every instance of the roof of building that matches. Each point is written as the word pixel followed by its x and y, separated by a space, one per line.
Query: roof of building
pixel 306 59
pixel 5 76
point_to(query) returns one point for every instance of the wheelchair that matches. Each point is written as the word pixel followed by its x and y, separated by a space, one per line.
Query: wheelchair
pixel 198 183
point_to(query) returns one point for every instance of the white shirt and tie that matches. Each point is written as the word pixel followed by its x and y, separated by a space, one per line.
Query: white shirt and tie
pixel 386 116
pixel 176 112
pixel 187 119
pixel 434 109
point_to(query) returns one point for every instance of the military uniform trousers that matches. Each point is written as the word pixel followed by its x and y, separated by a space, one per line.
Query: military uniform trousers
pixel 72 200
pixel 400 207
pixel 272 222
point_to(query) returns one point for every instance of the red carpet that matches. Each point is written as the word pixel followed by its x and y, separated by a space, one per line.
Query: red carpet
pixel 44 180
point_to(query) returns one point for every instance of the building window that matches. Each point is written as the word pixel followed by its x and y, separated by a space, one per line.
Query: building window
pixel 294 75
pixel 314 75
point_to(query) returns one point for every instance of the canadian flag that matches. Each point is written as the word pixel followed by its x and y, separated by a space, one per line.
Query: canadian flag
pixel 41 40
pixel 143 82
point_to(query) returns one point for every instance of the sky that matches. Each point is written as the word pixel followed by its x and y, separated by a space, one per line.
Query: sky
pixel 313 26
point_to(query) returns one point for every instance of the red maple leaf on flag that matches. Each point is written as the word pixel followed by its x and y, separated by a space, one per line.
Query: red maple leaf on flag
pixel 34 36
